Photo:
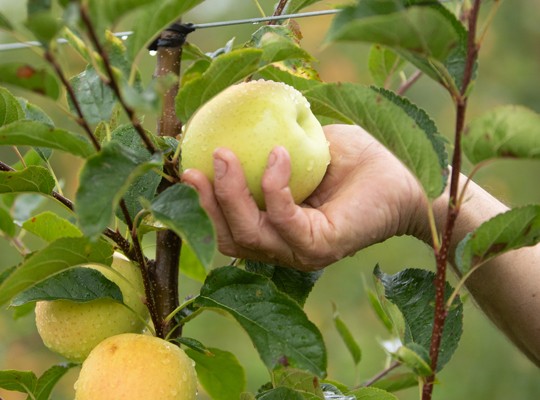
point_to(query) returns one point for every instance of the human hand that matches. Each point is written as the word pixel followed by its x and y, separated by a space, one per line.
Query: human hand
pixel 366 196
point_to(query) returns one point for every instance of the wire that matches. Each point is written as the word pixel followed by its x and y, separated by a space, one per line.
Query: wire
pixel 125 35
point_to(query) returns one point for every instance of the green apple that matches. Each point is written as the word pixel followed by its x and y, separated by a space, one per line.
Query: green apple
pixel 73 329
pixel 136 367
pixel 251 119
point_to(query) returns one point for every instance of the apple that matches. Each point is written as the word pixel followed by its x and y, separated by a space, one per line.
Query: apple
pixel 73 329
pixel 252 118
pixel 136 367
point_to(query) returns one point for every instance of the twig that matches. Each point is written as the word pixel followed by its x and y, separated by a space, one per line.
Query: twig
pixel 279 10
pixel 382 374
pixel 441 255
pixel 409 82
pixel 81 120
pixel 113 84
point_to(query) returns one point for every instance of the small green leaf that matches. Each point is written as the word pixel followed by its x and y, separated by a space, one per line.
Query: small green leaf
pixel 107 12
pixel 4 23
pixel 75 284
pixel 190 265
pixel 296 5
pixel 278 43
pixel 412 291
pixel 26 76
pixel 56 257
pixel 6 222
pixel 277 325
pixel 296 284
pixel 273 73
pixel 193 345
pixel 511 230
pixel 178 209
pixel 44 25
pixel 104 179
pixel 299 380
pixel 35 6
pixel 18 381
pixel 220 373
pixel 282 393
pixel 10 109
pixel 347 337
pixel 397 382
pixel 504 132
pixel 415 357
pixel 371 393
pixel 39 134
pixel 224 71
pixel 383 64
pixel 153 18
pixel 33 179
pixel 402 127
pixel 50 226
pixel 49 378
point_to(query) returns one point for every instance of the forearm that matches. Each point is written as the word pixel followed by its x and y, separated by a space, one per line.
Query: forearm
pixel 506 288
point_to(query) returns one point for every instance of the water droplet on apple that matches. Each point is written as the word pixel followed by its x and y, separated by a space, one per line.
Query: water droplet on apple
pixel 310 165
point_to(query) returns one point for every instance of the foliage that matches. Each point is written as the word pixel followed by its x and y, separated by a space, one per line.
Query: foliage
pixel 129 182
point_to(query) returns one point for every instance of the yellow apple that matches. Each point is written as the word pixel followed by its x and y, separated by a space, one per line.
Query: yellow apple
pixel 73 329
pixel 136 367
pixel 251 119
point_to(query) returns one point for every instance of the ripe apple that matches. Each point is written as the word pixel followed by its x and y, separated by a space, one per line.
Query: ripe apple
pixel 251 119
pixel 73 329
pixel 136 367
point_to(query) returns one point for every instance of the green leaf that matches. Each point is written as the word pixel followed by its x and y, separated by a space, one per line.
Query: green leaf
pixel 412 291
pixel 276 324
pixel 383 64
pixel 39 134
pixel 35 6
pixel 33 179
pixel 194 345
pixel 50 226
pixel 145 185
pixel 396 382
pixel 296 5
pixel 278 43
pixel 416 358
pixel 49 378
pixel 10 109
pixel 75 284
pixel 18 381
pixel 403 128
pixel 96 99
pixel 107 12
pixel 56 257
pixel 273 73
pixel 301 381
pixel 296 284
pixel 4 23
pixel 6 222
pixel 26 76
pixel 371 393
pixel 35 113
pixel 511 230
pixel 190 265
pixel 505 132
pixel 44 25
pixel 347 337
pixel 178 209
pixel 224 71
pixel 221 375
pixel 427 35
pixel 153 18
pixel 104 179
pixel 281 393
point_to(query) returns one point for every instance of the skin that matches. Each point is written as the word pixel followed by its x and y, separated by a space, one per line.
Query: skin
pixel 354 208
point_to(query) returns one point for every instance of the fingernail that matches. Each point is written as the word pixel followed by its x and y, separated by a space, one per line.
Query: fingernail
pixel 220 168
pixel 272 158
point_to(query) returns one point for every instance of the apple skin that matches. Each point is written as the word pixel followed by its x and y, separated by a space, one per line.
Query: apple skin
pixel 73 329
pixel 136 367
pixel 251 119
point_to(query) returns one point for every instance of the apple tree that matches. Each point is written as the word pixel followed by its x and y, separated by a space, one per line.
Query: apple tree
pixel 128 139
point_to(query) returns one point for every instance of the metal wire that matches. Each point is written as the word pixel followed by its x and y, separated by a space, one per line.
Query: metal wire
pixel 125 35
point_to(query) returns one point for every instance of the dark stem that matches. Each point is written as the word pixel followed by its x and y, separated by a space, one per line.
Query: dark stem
pixel 382 374
pixel 441 254
pixel 113 84
pixel 71 93
pixel 165 273
pixel 279 10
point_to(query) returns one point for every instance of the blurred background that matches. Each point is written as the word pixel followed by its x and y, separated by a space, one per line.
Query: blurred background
pixel 486 366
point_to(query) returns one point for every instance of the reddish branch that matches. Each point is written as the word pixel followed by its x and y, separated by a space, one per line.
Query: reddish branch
pixel 441 254
pixel 279 10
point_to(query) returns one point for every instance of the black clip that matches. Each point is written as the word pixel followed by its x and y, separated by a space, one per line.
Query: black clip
pixel 176 41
